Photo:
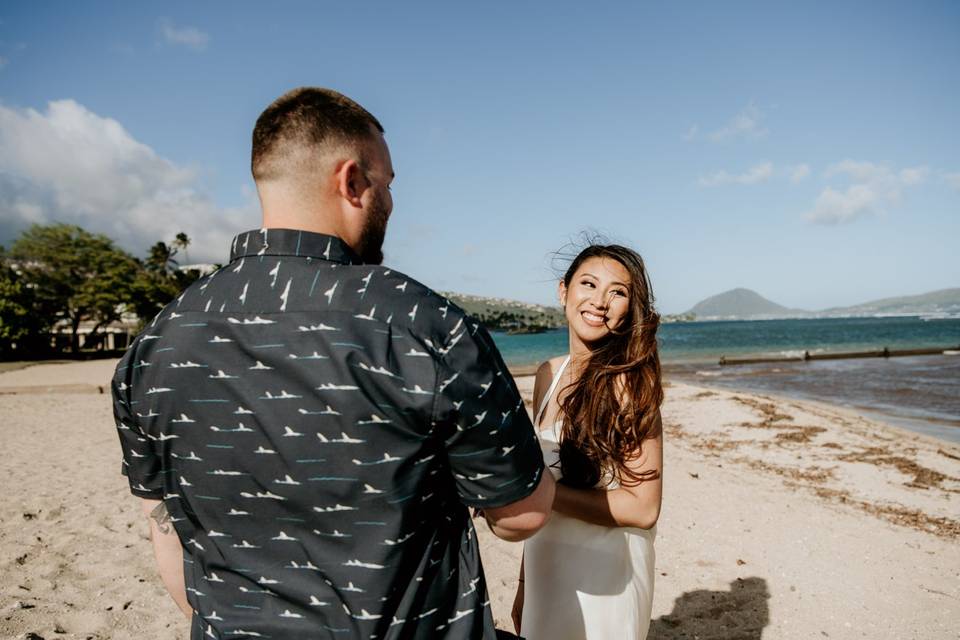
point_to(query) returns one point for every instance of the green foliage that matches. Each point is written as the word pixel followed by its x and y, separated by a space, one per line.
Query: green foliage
pixel 152 290
pixel 160 281
pixel 61 272
pixel 75 275
pixel 497 314
pixel 17 323
pixel 162 255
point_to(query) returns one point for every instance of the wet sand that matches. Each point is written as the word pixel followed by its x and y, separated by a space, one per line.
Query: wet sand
pixel 781 519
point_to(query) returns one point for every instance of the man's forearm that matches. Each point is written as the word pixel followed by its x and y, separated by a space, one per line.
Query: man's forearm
pixel 168 552
pixel 522 519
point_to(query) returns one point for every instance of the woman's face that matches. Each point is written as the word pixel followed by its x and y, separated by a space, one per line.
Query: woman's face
pixel 597 301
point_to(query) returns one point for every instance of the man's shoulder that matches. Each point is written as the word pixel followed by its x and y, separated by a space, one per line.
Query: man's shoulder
pixel 156 325
pixel 427 311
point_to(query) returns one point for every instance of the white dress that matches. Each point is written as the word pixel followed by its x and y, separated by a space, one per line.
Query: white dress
pixel 582 580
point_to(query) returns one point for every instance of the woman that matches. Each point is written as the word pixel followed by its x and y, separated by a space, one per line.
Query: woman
pixel 589 572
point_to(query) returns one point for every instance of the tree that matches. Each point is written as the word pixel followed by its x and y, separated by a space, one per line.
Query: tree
pixel 151 291
pixel 17 324
pixel 182 242
pixel 75 275
pixel 161 280
pixel 161 258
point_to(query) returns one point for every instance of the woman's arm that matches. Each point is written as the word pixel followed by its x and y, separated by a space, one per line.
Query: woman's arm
pixel 634 506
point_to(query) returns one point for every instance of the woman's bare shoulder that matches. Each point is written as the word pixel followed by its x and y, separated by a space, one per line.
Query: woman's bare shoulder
pixel 548 368
pixel 545 373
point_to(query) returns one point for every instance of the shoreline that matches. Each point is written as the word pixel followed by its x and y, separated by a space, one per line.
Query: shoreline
pixel 932 427
pixel 877 418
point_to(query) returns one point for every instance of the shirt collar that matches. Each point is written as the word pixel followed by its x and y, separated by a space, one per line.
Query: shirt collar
pixel 292 242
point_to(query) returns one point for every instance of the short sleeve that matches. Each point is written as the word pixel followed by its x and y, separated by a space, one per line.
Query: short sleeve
pixel 140 464
pixel 490 442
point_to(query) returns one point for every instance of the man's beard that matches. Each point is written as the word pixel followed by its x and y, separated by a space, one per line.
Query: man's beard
pixel 370 246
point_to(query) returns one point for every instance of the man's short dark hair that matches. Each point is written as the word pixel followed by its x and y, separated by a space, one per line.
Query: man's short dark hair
pixel 311 117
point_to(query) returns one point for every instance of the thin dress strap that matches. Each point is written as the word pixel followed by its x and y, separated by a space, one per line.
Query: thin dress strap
pixel 553 387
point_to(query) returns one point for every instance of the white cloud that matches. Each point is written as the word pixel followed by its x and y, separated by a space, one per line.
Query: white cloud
pixel 874 188
pixel 860 171
pixel 913 175
pixel 189 37
pixel 834 207
pixel 799 172
pixel 68 164
pixel 692 132
pixel 753 175
pixel 746 124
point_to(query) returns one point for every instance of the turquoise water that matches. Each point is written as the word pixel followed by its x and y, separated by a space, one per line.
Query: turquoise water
pixel 708 341
pixel 919 393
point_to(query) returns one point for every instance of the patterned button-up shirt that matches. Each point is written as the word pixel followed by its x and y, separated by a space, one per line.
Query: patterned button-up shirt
pixel 317 428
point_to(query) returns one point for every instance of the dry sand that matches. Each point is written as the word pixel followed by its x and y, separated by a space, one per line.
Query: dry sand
pixel 781 519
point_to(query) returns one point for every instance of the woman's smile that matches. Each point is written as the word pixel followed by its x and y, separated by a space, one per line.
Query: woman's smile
pixel 593 319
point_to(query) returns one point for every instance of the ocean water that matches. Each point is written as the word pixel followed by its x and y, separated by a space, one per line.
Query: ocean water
pixel 920 393
pixel 708 341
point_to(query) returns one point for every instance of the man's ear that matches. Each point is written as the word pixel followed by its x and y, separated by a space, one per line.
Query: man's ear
pixel 351 182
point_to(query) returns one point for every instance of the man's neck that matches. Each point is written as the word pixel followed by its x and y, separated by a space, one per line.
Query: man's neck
pixel 302 214
pixel 299 224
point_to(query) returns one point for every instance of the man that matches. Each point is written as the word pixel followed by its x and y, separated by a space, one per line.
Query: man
pixel 306 429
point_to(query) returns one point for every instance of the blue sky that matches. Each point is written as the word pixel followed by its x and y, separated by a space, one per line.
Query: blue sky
pixel 806 151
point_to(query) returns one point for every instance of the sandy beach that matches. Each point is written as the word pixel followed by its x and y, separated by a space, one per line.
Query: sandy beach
pixel 781 519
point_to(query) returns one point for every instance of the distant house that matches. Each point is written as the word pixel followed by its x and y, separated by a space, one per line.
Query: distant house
pixel 115 336
pixel 205 269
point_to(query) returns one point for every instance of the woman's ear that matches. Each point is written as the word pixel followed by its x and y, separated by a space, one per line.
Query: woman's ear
pixel 562 292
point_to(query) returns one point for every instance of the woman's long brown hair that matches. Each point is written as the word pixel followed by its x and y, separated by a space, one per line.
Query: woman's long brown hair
pixel 612 407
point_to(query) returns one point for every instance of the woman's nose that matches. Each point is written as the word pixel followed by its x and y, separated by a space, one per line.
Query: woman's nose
pixel 598 299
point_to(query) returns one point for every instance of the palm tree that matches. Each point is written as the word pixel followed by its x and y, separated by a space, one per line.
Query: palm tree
pixel 182 242
pixel 161 258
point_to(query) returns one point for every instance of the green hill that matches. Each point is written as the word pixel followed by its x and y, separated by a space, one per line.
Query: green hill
pixel 940 301
pixel 499 314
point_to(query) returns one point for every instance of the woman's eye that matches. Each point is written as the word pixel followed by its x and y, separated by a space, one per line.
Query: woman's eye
pixel 618 292
pixel 587 283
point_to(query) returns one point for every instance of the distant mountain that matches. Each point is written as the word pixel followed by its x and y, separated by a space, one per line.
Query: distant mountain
pixel 945 301
pixel 740 304
pixel 744 304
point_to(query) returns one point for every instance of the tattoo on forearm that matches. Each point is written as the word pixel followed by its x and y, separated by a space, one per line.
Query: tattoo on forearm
pixel 161 516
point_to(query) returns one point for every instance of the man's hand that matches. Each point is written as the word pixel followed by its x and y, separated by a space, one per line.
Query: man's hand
pixel 168 552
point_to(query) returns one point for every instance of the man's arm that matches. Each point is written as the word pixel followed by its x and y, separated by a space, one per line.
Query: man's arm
pixel 523 518
pixel 520 520
pixel 491 447
pixel 168 552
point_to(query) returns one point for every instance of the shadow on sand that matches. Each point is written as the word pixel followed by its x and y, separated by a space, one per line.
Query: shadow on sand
pixel 738 614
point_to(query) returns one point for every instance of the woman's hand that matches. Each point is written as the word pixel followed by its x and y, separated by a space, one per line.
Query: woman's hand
pixel 517 612
pixel 626 506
